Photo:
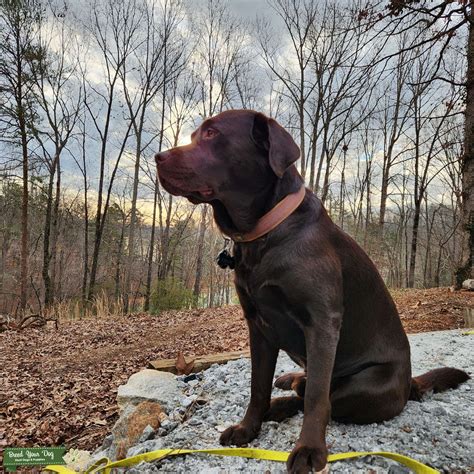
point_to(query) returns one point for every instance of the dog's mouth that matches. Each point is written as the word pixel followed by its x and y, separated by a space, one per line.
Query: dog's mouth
pixel 205 193
pixel 202 194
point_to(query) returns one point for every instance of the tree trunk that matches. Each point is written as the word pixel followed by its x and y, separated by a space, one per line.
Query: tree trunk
pixel 368 208
pixel 119 260
pixel 165 243
pixel 465 271
pixel 97 235
pixel 383 196
pixel 55 228
pixel 414 245
pixel 438 267
pixel 341 191
pixel 100 213
pixel 46 237
pixel 199 262
pixel 325 189
pixel 314 146
pixel 302 137
pixel 133 220
pixel 321 161
pixel 85 273
pixel 146 305
pixel 24 214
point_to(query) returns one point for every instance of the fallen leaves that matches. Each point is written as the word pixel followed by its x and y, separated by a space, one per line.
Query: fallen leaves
pixel 97 421
pixel 434 309
pixel 60 386
pixel 183 367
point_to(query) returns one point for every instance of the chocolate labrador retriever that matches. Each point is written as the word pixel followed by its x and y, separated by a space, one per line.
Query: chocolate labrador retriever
pixel 305 287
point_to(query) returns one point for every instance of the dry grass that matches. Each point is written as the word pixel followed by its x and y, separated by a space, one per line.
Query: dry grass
pixel 103 306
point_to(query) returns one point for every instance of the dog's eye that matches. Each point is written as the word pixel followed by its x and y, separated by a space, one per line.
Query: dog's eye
pixel 210 133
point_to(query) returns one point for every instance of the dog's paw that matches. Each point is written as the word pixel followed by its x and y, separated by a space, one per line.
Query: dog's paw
pixel 237 435
pixel 305 459
pixel 293 381
pixel 282 408
pixel 285 381
pixel 299 386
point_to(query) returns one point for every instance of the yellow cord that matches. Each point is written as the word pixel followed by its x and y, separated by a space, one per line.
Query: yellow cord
pixel 105 465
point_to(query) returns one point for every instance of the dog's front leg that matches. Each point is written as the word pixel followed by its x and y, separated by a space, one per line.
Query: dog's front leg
pixel 321 337
pixel 264 356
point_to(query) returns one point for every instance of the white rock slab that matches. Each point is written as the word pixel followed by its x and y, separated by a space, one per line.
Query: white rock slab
pixel 149 385
pixel 468 284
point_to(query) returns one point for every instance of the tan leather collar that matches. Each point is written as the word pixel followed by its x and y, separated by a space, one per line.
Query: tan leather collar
pixel 273 218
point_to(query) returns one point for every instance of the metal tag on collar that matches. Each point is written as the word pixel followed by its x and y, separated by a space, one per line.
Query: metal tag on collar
pixel 225 259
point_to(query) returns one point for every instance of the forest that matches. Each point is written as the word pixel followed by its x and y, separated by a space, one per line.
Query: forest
pixel 374 93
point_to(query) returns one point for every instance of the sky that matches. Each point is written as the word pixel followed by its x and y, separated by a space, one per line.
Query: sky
pixel 247 10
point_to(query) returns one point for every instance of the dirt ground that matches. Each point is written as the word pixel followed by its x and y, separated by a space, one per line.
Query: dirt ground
pixel 58 387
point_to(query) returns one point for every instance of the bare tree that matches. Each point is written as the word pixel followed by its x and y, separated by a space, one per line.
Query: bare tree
pixel 112 26
pixel 393 120
pixel 59 104
pixel 219 59
pixel 346 81
pixel 466 270
pixel 221 50
pixel 200 255
pixel 298 17
pixel 82 165
pixel 156 57
pixel 442 21
pixel 427 124
pixel 18 24
pixel 177 102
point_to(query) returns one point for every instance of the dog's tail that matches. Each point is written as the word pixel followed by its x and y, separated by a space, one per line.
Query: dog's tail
pixel 436 380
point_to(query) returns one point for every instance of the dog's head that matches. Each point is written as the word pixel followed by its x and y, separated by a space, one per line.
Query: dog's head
pixel 235 153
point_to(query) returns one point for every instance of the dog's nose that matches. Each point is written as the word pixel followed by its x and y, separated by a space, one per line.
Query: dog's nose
pixel 161 157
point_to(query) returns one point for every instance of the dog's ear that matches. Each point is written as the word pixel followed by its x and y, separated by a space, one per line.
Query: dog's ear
pixel 259 133
pixel 272 137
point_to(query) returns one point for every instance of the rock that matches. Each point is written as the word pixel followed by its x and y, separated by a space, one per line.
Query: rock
pixel 187 401
pixel 96 456
pixel 147 434
pixel 468 284
pixel 169 425
pixel 180 437
pixel 190 378
pixel 426 407
pixel 177 415
pixel 149 385
pixel 135 423
pixel 398 470
pixel 143 467
pixel 211 419
pixel 108 440
pixel 146 447
pixel 438 410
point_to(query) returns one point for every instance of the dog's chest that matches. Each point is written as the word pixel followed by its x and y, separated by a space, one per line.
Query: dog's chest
pixel 250 276
pixel 256 275
pixel 266 304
